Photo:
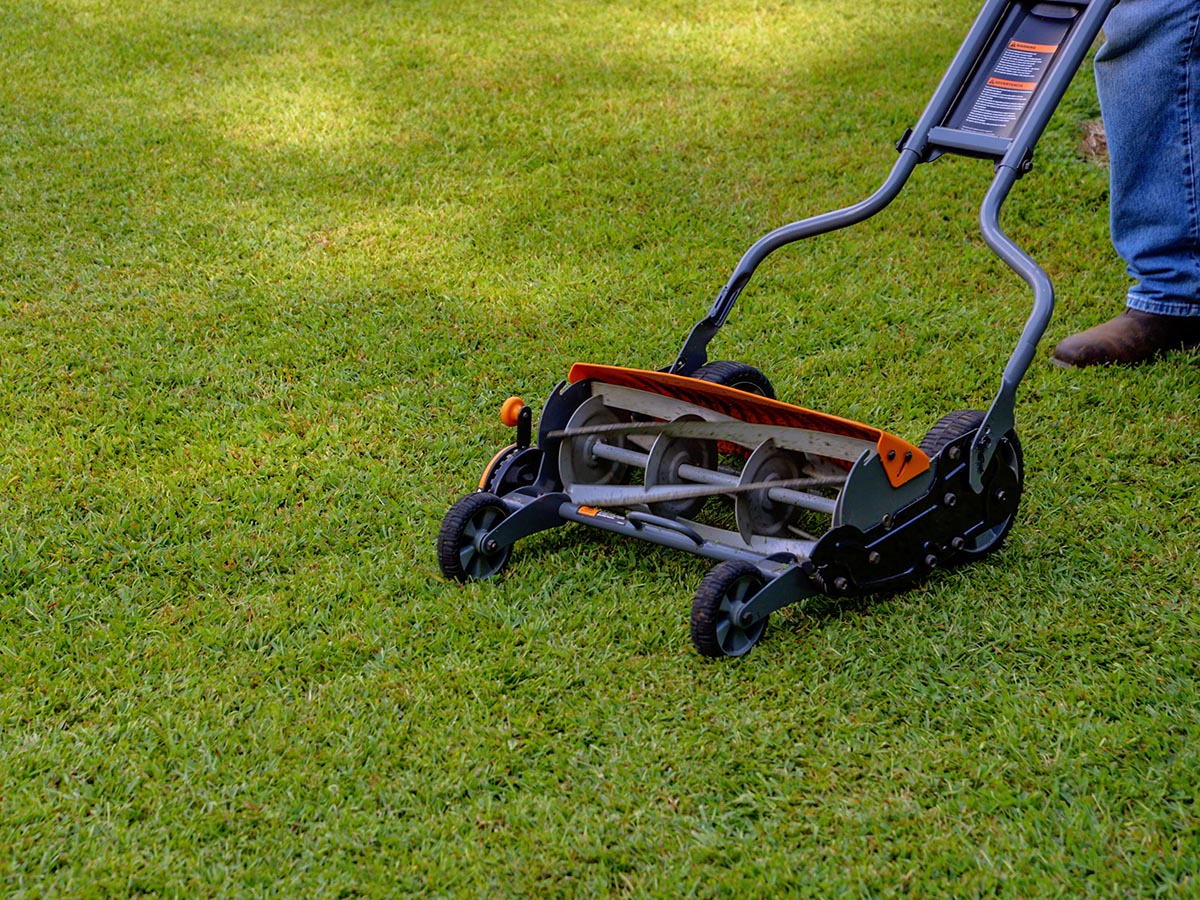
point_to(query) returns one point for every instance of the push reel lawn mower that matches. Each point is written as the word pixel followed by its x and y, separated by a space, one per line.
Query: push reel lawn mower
pixel 809 503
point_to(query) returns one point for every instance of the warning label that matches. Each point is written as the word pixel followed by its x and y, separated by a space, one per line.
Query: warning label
pixel 1007 85
pixel 1007 91
pixel 1000 93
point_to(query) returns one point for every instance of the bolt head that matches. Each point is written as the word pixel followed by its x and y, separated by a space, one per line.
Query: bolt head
pixel 841 585
pixel 931 561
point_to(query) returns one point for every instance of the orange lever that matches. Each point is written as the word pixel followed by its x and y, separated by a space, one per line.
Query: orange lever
pixel 510 412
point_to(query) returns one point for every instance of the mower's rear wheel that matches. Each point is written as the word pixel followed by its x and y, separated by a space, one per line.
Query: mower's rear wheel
pixel 741 377
pixel 967 421
pixel 513 467
pixel 462 551
pixel 715 629
pixel 736 375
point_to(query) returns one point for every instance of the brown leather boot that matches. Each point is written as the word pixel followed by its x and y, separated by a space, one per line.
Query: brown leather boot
pixel 1130 338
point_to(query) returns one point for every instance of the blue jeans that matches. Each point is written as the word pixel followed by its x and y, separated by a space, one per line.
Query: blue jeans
pixel 1148 79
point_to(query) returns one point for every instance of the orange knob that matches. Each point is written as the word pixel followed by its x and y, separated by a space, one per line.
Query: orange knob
pixel 511 410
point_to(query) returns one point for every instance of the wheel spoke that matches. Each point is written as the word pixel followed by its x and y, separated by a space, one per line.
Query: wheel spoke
pixel 732 637
pixel 737 642
pixel 723 627
pixel 741 590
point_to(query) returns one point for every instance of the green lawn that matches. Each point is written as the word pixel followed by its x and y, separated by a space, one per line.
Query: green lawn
pixel 268 269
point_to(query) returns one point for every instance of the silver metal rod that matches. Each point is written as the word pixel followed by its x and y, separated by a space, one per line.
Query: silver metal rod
pixel 747 434
pixel 803 500
pixel 723 480
pixel 779 495
pixel 706 476
pixel 605 495
pixel 623 455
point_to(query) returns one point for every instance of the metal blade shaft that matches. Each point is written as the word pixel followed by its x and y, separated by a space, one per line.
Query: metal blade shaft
pixel 606 495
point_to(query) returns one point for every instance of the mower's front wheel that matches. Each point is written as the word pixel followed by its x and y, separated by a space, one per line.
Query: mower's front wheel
pixel 464 553
pixel 716 629
pixel 736 375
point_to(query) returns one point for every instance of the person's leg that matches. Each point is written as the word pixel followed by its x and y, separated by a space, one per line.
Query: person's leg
pixel 1148 80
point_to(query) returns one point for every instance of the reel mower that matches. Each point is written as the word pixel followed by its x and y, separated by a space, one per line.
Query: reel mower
pixel 791 503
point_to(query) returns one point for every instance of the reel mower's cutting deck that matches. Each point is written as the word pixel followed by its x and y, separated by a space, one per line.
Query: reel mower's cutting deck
pixel 792 502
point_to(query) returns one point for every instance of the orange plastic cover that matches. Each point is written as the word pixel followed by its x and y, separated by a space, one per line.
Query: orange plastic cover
pixel 901 460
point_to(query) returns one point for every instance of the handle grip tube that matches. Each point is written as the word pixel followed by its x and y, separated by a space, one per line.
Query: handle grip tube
pixel 1001 416
pixel 694 352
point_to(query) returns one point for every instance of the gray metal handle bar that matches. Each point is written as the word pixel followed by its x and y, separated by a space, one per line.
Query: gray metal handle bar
pixel 927 140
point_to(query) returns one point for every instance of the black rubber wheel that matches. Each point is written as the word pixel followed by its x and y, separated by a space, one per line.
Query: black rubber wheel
pixel 714 631
pixel 954 425
pixel 458 546
pixel 737 375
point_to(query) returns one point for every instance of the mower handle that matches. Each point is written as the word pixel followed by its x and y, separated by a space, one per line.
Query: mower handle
pixel 932 136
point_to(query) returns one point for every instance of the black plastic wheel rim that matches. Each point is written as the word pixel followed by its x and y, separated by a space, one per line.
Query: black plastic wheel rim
pixel 985 542
pixel 732 638
pixel 1008 455
pixel 719 600
pixel 476 562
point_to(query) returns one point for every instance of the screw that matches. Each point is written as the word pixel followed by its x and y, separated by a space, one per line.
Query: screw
pixel 931 561
pixel 951 499
pixel 873 557
pixel 953 453
pixel 841 585
pixel 746 619
pixel 491 546
pixel 891 455
pixel 958 543
pixel 887 520
pixel 1001 494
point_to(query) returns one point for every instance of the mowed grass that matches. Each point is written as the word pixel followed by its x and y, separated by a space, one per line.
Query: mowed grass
pixel 267 270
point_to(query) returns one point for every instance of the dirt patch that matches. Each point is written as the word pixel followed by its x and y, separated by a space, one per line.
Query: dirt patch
pixel 1093 145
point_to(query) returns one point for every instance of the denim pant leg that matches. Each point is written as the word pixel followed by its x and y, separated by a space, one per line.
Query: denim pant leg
pixel 1148 79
